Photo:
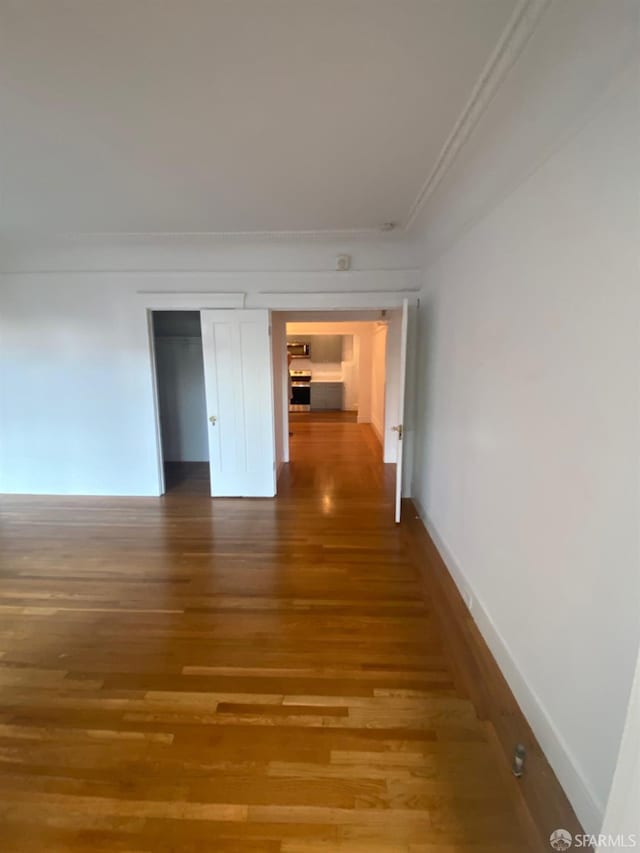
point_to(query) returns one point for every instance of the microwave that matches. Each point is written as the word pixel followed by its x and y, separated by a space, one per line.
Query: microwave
pixel 298 349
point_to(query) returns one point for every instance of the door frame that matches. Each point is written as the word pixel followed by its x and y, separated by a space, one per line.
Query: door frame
pixel 364 315
pixel 353 308
pixel 149 302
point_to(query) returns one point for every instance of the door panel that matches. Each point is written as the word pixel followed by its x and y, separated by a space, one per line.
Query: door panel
pixel 238 384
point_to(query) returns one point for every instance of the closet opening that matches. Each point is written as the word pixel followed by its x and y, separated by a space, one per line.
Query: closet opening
pixel 179 368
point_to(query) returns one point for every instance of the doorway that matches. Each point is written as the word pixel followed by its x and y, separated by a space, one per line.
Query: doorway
pixel 337 380
pixel 179 366
pixel 337 373
pixel 349 361
pixel 228 412
pixel 345 366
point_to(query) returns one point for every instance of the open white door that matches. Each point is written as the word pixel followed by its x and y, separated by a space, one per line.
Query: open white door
pixel 399 428
pixel 238 386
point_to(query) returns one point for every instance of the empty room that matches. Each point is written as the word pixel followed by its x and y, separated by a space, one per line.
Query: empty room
pixel 319 426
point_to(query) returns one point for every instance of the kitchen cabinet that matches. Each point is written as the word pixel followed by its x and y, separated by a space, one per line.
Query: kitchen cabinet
pixel 326 349
pixel 326 396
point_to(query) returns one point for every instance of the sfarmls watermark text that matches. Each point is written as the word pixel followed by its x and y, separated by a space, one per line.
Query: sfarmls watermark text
pixel 562 839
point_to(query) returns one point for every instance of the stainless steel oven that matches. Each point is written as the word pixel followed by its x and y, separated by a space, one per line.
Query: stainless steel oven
pixel 300 387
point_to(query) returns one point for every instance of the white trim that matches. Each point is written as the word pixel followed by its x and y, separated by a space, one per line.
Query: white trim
pixel 378 430
pixel 282 300
pixel 588 808
pixel 269 288
pixel 331 301
pixel 176 301
pixel 512 42
pixel 309 233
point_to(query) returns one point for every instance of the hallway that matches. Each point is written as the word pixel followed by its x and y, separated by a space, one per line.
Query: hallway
pixel 181 674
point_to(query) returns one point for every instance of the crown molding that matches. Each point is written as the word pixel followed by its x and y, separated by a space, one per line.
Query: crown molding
pixel 627 77
pixel 512 42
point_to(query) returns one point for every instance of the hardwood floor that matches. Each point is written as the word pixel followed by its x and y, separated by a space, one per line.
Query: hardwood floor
pixel 318 417
pixel 182 674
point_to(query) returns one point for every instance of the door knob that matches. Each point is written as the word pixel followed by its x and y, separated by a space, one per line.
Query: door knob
pixel 213 419
pixel 398 429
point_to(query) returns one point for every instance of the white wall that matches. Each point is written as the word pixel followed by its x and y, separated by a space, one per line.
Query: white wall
pixel 364 348
pixel 378 356
pixel 201 253
pixel 528 428
pixel 350 372
pixel 76 392
pixel 76 403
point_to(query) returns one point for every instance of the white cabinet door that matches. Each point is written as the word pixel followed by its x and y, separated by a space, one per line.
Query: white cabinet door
pixel 239 391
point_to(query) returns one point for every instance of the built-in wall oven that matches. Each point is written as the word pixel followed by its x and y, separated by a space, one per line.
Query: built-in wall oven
pixel 300 385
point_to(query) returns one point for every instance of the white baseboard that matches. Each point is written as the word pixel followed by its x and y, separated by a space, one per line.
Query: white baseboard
pixel 379 430
pixel 587 806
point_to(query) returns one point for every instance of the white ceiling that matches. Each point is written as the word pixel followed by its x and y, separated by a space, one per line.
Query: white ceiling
pixel 157 116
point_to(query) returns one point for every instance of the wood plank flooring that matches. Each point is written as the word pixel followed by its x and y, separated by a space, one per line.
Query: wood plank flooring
pixel 182 674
